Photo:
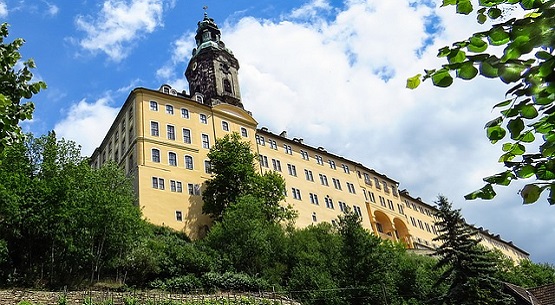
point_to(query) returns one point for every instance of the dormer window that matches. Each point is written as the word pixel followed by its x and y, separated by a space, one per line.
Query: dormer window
pixel 199 98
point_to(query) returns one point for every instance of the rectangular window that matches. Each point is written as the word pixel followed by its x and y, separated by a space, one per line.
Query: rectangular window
pixel 346 168
pixel 203 118
pixel 155 154
pixel 385 188
pixel 332 164
pixel 205 141
pixel 154 130
pixel 292 169
pixel 193 189
pixel 153 106
pixel 357 210
pixel 288 149
pixel 308 175
pixel 329 202
pixel 314 218
pixel 207 167
pixel 367 179
pixel 273 144
pixel 276 164
pixel 314 199
pixel 225 126
pixel 158 183
pixel 372 198
pixel 186 136
pixel 342 206
pixel 336 183
pixel 382 201
pixel 296 193
pixel 377 183
pixel 260 140
pixel 172 159
pixel 319 159
pixel 400 208
pixel 188 162
pixel 184 113
pixel 244 132
pixel 351 188
pixel 304 155
pixel 394 191
pixel 263 161
pixel 179 187
pixel 323 179
pixel 390 205
pixel 171 132
pixel 173 186
pixel 178 216
pixel 169 109
pixel 413 221
pixel 420 224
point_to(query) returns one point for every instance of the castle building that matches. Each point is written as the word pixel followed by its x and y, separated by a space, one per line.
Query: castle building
pixel 161 138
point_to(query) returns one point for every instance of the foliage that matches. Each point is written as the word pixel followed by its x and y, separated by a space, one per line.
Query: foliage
pixel 234 175
pixel 470 270
pixel 528 64
pixel 62 221
pixel 526 273
pixel 15 86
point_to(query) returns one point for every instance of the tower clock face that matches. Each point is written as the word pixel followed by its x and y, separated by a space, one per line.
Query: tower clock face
pixel 194 65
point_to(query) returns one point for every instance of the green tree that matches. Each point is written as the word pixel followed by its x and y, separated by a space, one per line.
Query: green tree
pixel 528 64
pixel 15 85
pixel 235 175
pixel 470 271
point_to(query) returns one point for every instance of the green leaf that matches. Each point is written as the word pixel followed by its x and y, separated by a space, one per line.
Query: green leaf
pixel 481 18
pixel 495 133
pixel 515 126
pixel 495 122
pixel 477 45
pixel 494 13
pixel 527 137
pixel 464 7
pixel 448 2
pixel 526 171
pixel 442 78
pixel 485 192
pixel 530 193
pixel 503 178
pixel 467 71
pixel 497 36
pixel 509 73
pixel 487 70
pixel 543 55
pixel 528 111
pixel 530 4
pixel 414 82
pixel 456 56
pixel 503 103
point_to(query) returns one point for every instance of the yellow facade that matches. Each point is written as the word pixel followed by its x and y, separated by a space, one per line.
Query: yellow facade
pixel 162 137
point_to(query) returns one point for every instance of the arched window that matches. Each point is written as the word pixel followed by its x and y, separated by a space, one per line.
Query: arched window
pixel 188 162
pixel 172 159
pixel 155 155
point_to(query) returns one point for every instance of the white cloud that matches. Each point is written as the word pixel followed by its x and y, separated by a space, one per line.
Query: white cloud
pixel 3 9
pixel 52 8
pixel 118 25
pixel 87 121
pixel 172 72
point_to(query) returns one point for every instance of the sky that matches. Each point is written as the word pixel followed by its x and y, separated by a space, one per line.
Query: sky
pixel 328 71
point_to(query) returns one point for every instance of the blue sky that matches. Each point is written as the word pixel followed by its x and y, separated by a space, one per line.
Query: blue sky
pixel 331 72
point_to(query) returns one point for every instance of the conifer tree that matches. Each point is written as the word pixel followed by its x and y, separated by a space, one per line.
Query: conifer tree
pixel 469 270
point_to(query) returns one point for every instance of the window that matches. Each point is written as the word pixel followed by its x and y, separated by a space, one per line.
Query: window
pixel 154 131
pixel 225 126
pixel 207 167
pixel 390 205
pixel 260 140
pixel 244 132
pixel 400 208
pixel 153 106
pixel 296 193
pixel 304 155
pixel 169 109
pixel 394 191
pixel 188 162
pixel 227 86
pixel 342 206
pixel 179 187
pixel 276 164
pixel 184 113
pixel 351 188
pixel 203 118
pixel 205 141
pixel 329 202
pixel 171 132
pixel 379 227
pixel 377 183
pixel 292 169
pixel 332 164
pixel 413 221
pixel 314 218
pixel 385 188
pixel 273 144
pixel 263 161
pixel 178 216
pixel 130 114
pixel 288 149
pixel 319 159
pixel 314 199
pixel 116 136
pixel 308 175
pixel 357 210
pixel 130 163
pixel 173 186
pixel 427 227
pixel 382 201
pixel 367 179
pixel 186 136
pixel 193 189
pixel 155 155
pixel 323 179
pixel 346 168
pixel 116 155
pixel 336 183
pixel 372 198
pixel 130 133
pixel 158 183
pixel 420 224
pixel 172 159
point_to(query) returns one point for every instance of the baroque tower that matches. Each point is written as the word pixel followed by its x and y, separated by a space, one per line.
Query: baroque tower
pixel 213 69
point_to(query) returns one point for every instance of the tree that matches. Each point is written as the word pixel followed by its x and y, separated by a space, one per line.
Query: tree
pixel 528 114
pixel 470 271
pixel 235 175
pixel 15 85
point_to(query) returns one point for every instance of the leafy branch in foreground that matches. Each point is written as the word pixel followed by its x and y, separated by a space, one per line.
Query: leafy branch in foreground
pixel 527 116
